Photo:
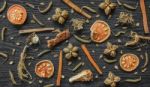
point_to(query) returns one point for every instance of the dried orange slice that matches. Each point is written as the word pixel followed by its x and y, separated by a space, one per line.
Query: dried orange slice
pixel 129 62
pixel 17 14
pixel 44 69
pixel 100 31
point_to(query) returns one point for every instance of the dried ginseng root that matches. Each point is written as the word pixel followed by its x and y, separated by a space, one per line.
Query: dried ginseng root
pixel 59 38
pixel 83 76
pixel 129 62
pixel 135 39
pixel 100 31
pixel 17 14
pixel 44 69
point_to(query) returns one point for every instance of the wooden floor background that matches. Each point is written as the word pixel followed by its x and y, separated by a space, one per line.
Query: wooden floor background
pixel 8 45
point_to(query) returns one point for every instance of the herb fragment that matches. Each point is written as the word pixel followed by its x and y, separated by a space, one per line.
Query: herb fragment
pixel 13 52
pixel 71 51
pixel 46 9
pixel 30 5
pixel 12 78
pixel 89 9
pixel 130 7
pixel 111 49
pixel 78 66
pixel 78 24
pixel 112 79
pixel 11 62
pixel 36 30
pixel 2 54
pixel 3 33
pixel 119 33
pixel 23 73
pixel 110 61
pixel 135 39
pixel 76 8
pixel 49 85
pixel 32 39
pixel 43 52
pixel 37 20
pixel 60 15
pixel 81 39
pixel 3 6
pixel 107 6
pixel 134 80
pixel 146 60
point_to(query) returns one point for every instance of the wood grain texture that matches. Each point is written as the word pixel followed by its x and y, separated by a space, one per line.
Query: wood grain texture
pixel 7 45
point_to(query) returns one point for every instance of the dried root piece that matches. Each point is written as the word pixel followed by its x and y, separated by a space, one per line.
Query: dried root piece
pixel 59 38
pixel 135 39
pixel 83 76
pixel 112 79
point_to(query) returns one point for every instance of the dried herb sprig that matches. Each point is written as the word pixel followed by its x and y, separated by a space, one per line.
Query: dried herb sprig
pixel 3 33
pixel 37 20
pixel 23 73
pixel 46 9
pixel 146 60
pixel 89 9
pixel 43 52
pixel 134 80
pixel 3 6
pixel 81 39
pixel 30 5
pixel 12 78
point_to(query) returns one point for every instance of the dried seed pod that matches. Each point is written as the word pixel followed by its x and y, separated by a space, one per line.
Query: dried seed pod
pixel 83 76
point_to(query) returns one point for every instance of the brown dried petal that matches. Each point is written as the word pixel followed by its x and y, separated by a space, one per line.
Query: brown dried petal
pixel 75 49
pixel 107 10
pixel 64 14
pixel 58 11
pixel 113 5
pixel 74 54
pixel 113 84
pixel 55 17
pixel 110 75
pixel 108 81
pixel 61 20
pixel 102 5
pixel 107 1
pixel 117 79
pixel 70 46
pixel 68 56
pixel 66 50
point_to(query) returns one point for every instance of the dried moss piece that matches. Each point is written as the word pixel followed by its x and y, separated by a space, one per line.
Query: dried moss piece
pixel 71 51
pixel 60 15
pixel 107 6
pixel 112 79
pixel 111 49
pixel 125 19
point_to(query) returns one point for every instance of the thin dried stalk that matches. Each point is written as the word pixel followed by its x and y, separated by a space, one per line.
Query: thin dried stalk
pixel 12 78
pixel 3 7
pixel 35 30
pixel 47 8
pixel 3 33
pixel 23 73
pixel 146 60
pixel 37 20
pixel 134 80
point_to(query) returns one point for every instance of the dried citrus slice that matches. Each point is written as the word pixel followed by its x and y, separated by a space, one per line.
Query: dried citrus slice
pixel 17 14
pixel 129 62
pixel 100 31
pixel 44 69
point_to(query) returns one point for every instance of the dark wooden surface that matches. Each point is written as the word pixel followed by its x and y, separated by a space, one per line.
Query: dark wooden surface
pixel 8 45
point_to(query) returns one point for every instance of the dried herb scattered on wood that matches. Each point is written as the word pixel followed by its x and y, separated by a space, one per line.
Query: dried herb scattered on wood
pixel 134 80
pixel 109 61
pixel 3 33
pixel 37 20
pixel 76 8
pixel 64 35
pixel 30 5
pixel 60 15
pixel 83 76
pixel 12 78
pixel 71 51
pixel 112 79
pixel 43 52
pixel 23 73
pixel 78 23
pixel 32 39
pixel 135 39
pixel 107 6
pixel 111 49
pixel 46 9
pixel 125 19
pixel 3 6
pixel 36 30
pixel 82 40
pixel 89 9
